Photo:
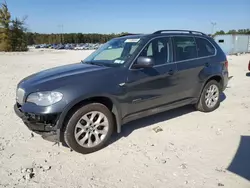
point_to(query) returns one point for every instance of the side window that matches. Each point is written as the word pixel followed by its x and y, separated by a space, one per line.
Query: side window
pixel 204 47
pixel 149 50
pixel 185 48
pixel 159 49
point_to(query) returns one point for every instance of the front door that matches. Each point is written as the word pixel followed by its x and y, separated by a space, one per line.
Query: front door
pixel 148 88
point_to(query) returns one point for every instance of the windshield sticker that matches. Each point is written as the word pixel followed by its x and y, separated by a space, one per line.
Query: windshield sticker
pixel 132 40
pixel 119 61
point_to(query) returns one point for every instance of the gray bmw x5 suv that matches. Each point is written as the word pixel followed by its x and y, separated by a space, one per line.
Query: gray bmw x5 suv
pixel 127 78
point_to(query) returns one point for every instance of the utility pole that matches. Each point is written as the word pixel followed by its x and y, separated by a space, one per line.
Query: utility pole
pixel 61 27
pixel 213 25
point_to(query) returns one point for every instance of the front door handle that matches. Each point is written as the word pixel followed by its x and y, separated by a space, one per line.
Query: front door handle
pixel 207 64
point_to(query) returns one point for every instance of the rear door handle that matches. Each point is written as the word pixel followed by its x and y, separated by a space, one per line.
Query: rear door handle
pixel 170 72
pixel 207 64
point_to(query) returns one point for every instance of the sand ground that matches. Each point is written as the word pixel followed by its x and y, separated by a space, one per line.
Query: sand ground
pixel 193 150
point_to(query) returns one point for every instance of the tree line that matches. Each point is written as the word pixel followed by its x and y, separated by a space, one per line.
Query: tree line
pixel 37 38
pixel 233 31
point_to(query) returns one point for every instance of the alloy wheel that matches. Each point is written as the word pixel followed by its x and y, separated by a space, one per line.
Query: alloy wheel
pixel 91 129
pixel 212 96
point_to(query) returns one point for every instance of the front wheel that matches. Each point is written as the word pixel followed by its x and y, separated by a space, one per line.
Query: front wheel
pixel 89 128
pixel 210 97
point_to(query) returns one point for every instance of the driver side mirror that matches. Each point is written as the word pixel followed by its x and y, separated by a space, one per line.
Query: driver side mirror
pixel 143 62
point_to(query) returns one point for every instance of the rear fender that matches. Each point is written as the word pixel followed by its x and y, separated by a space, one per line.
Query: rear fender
pixel 205 82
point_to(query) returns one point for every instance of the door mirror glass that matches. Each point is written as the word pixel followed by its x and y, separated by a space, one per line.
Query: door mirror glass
pixel 144 62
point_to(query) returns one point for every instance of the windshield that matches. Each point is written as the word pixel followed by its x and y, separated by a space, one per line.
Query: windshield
pixel 115 52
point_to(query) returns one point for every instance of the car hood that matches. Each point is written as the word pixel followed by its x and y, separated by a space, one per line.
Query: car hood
pixel 57 73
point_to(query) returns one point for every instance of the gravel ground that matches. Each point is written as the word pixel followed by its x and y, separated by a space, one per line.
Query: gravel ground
pixel 179 148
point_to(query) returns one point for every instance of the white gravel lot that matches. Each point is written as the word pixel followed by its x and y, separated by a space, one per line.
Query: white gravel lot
pixel 193 150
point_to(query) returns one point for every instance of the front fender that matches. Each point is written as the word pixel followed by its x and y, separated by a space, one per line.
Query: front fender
pixel 116 110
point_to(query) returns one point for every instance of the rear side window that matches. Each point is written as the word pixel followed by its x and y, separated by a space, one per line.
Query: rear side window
pixel 185 48
pixel 204 47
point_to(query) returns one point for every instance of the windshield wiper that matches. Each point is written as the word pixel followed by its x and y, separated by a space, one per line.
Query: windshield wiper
pixel 93 63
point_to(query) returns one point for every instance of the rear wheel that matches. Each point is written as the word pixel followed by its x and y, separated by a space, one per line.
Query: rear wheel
pixel 210 97
pixel 89 128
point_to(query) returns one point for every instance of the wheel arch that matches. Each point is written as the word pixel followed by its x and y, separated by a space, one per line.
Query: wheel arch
pixel 216 77
pixel 108 101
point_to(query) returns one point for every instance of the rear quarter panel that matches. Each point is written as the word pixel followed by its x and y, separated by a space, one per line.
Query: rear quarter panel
pixel 216 68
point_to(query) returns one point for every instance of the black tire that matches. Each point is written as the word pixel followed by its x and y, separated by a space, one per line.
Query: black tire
pixel 201 104
pixel 69 136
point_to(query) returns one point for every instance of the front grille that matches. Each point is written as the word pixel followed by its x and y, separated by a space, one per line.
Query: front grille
pixel 20 96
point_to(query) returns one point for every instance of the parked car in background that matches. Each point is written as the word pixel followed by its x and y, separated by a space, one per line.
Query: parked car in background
pixel 73 46
pixel 56 46
pixel 83 47
pixel 79 47
pixel 68 47
pixel 91 47
pixel 127 78
pixel 47 45
pixel 60 47
pixel 53 46
pixel 87 46
pixel 96 46
pixel 42 45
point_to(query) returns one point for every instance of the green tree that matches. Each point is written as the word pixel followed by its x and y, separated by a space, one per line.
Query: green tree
pixel 5 40
pixel 221 32
pixel 243 31
pixel 233 31
pixel 13 32
pixel 18 35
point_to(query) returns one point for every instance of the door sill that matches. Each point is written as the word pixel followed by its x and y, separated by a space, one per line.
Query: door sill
pixel 158 109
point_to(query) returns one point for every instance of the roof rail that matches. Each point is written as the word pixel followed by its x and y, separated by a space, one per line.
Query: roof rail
pixel 191 32
pixel 127 34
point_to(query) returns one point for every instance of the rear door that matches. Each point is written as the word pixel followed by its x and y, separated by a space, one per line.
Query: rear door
pixel 207 58
pixel 192 55
pixel 152 87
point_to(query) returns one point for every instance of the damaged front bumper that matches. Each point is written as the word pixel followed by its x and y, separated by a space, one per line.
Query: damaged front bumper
pixel 42 124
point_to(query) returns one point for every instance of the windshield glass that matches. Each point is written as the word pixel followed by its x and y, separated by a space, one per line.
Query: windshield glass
pixel 115 52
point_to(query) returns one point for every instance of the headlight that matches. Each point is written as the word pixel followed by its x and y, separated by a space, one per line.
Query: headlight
pixel 45 98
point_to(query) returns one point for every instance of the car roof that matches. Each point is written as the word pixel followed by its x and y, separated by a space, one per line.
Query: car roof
pixel 166 33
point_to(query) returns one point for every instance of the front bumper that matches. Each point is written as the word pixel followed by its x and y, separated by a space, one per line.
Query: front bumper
pixel 44 125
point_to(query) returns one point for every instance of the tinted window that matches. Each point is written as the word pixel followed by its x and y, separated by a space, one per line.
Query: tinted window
pixel 159 49
pixel 185 48
pixel 204 47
